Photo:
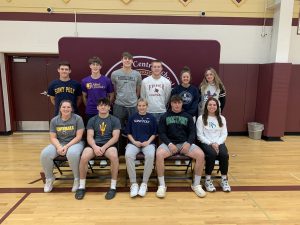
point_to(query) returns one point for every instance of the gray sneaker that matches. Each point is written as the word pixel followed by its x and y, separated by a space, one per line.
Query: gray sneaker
pixel 225 185
pixel 209 186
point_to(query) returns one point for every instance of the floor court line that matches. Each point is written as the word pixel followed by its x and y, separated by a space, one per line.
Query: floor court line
pixel 13 208
pixel 152 189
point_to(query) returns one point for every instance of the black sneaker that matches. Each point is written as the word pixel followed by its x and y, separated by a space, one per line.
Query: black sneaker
pixel 80 194
pixel 110 194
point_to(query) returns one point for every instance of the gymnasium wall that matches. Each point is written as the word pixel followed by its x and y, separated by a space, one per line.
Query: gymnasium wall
pixel 245 42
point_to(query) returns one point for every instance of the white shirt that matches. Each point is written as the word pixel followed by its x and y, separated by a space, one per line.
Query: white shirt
pixel 212 133
pixel 157 92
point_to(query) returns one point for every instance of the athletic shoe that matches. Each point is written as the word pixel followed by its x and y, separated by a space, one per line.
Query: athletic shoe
pixel 143 190
pixel 134 189
pixel 161 191
pixel 177 162
pixel 49 184
pixel 209 186
pixel 225 185
pixel 75 185
pixel 199 191
pixel 137 162
pixel 110 194
pixel 79 195
pixel 103 163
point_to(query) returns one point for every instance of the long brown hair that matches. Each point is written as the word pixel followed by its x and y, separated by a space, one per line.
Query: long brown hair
pixel 219 84
pixel 217 113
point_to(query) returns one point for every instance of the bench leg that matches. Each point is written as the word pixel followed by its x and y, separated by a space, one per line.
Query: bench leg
pixel 57 166
pixel 43 177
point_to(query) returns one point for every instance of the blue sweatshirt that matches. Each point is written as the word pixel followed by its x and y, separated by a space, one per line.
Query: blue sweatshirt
pixel 190 97
pixel 141 127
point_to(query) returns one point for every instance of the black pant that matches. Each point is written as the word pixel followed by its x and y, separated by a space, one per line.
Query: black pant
pixel 211 156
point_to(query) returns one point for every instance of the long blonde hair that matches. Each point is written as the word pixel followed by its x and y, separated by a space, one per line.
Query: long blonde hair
pixel 219 84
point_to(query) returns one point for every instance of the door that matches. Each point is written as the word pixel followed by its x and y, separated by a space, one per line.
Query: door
pixel 30 79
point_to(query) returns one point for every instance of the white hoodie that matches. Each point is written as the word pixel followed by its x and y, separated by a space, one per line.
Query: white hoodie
pixel 212 133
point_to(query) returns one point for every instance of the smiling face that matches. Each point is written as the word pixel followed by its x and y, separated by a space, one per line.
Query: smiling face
pixel 212 107
pixel 186 78
pixel 64 72
pixel 210 77
pixel 142 107
pixel 95 68
pixel 156 69
pixel 66 108
pixel 127 62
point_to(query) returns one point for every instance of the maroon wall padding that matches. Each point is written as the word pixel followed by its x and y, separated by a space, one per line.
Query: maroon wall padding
pixel 197 54
pixel 293 108
pixel 272 97
pixel 2 113
pixel 240 81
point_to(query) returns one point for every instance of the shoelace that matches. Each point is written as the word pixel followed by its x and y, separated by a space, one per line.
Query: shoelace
pixel 210 184
pixel 225 183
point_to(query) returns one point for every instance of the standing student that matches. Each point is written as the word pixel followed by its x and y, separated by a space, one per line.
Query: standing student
pixel 141 132
pixel 188 92
pixel 211 86
pixel 103 132
pixel 94 87
pixel 156 89
pixel 66 131
pixel 212 133
pixel 64 88
pixel 127 84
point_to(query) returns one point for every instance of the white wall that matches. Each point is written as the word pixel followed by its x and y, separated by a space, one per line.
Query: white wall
pixel 239 44
pixel 294 54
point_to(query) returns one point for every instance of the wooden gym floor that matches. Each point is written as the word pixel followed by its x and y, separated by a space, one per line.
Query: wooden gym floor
pixel 265 180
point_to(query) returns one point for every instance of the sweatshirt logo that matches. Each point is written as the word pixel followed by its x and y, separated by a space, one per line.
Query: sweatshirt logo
pixel 176 120
pixel 212 125
pixel 102 128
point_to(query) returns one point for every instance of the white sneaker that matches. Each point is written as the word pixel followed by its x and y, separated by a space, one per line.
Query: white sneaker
pixel 209 186
pixel 225 185
pixel 103 163
pixel 161 191
pixel 92 162
pixel 49 184
pixel 177 162
pixel 134 189
pixel 199 191
pixel 143 190
pixel 75 185
pixel 137 162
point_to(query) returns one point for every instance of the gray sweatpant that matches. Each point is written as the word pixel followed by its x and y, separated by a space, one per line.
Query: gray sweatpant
pixel 73 156
pixel 130 156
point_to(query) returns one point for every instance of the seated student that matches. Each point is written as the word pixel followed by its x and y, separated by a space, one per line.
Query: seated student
pixel 177 132
pixel 141 131
pixel 66 131
pixel 103 132
pixel 212 133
